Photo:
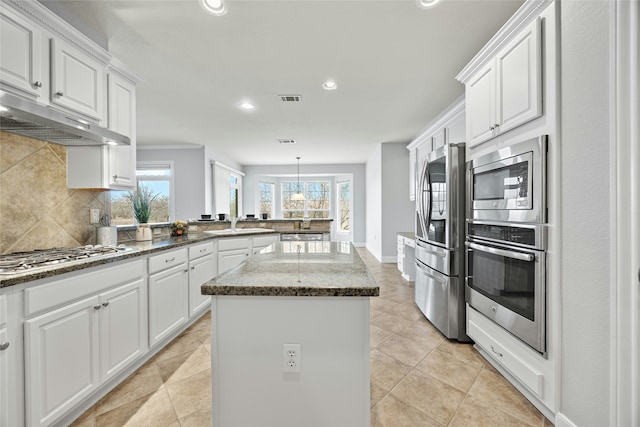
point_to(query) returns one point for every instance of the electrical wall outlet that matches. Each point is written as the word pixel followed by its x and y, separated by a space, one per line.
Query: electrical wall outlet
pixel 291 357
pixel 95 216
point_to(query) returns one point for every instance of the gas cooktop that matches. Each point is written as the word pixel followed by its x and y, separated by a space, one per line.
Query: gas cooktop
pixel 22 262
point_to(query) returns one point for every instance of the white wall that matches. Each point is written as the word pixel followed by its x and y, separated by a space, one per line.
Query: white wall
pixel 585 212
pixel 357 171
pixel 374 203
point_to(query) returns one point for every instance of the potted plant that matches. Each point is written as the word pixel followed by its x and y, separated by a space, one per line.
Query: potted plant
pixel 141 201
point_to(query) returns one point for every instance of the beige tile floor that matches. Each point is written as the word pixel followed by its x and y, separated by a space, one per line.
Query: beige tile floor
pixel 418 378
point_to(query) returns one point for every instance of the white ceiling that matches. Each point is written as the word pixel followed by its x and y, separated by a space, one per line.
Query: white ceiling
pixel 394 64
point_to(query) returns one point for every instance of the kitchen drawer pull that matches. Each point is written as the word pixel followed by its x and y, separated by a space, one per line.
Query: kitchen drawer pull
pixel 37 84
pixel 60 93
pixel 96 307
pixel 203 250
pixel 170 260
pixel 4 346
pixel 494 350
pixel 105 304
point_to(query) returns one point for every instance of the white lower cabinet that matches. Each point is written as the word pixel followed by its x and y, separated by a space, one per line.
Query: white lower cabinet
pixel 202 268
pixel 73 345
pixel 4 377
pixel 232 252
pixel 168 294
pixel 61 350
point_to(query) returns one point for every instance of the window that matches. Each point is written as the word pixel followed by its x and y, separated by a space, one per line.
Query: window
pixel 318 199
pixel 267 190
pixel 291 208
pixel 317 202
pixel 344 206
pixel 233 196
pixel 227 190
pixel 157 177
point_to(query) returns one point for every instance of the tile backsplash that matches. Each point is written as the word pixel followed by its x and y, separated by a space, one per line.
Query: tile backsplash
pixel 37 210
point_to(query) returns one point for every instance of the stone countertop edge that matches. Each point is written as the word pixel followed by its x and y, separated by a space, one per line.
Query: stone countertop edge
pixel 290 291
pixel 142 249
pixel 277 271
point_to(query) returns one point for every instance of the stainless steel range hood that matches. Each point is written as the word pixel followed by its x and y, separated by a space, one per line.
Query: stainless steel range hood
pixel 31 119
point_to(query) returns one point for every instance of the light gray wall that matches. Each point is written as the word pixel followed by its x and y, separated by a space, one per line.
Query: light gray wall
pixel 189 178
pixel 398 212
pixel 389 210
pixel 374 203
pixel 359 190
pixel 585 212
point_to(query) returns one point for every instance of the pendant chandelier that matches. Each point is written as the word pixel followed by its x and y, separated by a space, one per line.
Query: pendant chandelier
pixel 298 195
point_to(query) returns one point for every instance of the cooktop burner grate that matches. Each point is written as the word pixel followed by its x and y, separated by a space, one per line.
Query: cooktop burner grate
pixel 19 262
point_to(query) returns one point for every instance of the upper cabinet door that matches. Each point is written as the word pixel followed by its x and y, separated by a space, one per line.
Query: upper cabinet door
pixel 77 81
pixel 519 86
pixel 480 103
pixel 20 60
pixel 122 115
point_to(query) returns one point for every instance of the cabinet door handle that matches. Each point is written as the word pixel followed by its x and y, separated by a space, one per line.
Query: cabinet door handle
pixel 37 84
pixel 105 304
pixel 187 270
pixel 60 93
pixel 496 125
pixel 115 177
pixel 492 127
pixel 4 346
pixel 494 350
pixel 193 267
pixel 170 260
pixel 96 307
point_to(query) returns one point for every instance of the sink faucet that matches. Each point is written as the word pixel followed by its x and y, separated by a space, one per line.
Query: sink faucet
pixel 233 223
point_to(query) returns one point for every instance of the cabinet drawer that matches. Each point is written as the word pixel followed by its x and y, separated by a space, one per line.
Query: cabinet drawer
pixel 514 364
pixel 231 244
pixel 62 291
pixel 198 251
pixel 167 260
pixel 263 241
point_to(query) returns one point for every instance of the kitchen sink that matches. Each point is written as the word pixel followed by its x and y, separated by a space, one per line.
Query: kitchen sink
pixel 229 231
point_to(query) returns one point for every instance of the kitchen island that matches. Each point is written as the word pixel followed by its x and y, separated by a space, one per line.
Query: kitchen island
pixel 290 337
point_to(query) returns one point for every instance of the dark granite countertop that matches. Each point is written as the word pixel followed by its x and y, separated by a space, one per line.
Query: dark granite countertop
pixel 137 249
pixel 320 269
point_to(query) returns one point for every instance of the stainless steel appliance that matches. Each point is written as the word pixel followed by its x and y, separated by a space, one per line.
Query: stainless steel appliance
pixel 506 277
pixel 440 199
pixel 28 118
pixel 22 262
pixel 509 184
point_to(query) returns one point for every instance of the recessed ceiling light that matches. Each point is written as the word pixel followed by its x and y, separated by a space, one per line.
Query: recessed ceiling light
pixel 247 106
pixel 215 7
pixel 426 4
pixel 329 85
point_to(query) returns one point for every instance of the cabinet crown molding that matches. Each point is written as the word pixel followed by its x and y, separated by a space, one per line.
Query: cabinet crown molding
pixel 529 11
pixel 58 27
pixel 439 122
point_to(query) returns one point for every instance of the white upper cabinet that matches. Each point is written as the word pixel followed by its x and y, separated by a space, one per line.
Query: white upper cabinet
pixel 20 60
pixel 77 80
pixel 506 92
pixel 519 85
pixel 122 119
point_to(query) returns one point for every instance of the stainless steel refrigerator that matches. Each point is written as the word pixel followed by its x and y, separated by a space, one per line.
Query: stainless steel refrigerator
pixel 440 233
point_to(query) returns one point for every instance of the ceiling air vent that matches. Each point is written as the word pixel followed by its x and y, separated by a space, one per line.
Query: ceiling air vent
pixel 287 141
pixel 290 98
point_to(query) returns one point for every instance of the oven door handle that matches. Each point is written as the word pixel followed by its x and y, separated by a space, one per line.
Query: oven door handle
pixel 501 252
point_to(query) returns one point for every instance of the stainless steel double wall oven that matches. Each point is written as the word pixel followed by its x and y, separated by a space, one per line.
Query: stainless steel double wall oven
pixel 506 239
